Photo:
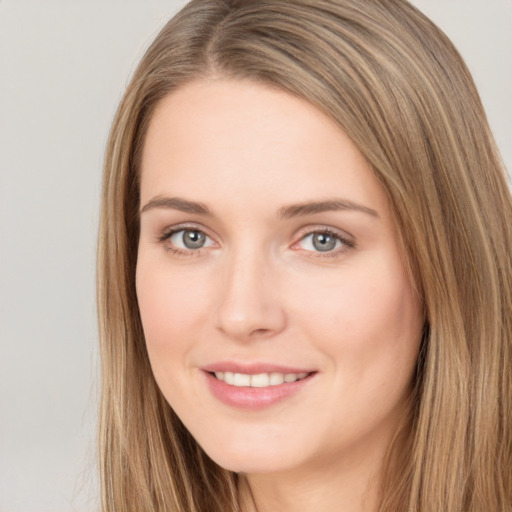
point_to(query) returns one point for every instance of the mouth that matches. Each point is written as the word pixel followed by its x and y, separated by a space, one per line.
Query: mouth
pixel 255 387
pixel 258 380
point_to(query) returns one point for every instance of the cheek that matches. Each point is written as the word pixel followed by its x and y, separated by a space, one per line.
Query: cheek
pixel 370 330
pixel 370 325
pixel 173 309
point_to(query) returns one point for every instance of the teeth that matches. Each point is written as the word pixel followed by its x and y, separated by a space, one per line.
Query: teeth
pixel 241 379
pixel 276 379
pixel 260 380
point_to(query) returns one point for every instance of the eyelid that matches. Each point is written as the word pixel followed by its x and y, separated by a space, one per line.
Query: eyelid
pixel 347 240
pixel 165 235
pixel 168 231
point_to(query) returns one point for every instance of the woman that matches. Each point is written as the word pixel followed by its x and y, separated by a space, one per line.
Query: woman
pixel 305 284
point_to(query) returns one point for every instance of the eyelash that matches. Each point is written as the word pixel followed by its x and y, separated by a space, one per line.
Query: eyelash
pixel 165 237
pixel 346 243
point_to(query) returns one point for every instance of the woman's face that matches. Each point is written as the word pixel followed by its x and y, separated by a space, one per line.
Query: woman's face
pixel 279 319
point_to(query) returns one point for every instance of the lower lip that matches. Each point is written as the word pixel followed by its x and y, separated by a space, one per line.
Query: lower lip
pixel 253 398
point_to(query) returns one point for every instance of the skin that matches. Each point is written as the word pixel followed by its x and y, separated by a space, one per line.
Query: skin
pixel 260 291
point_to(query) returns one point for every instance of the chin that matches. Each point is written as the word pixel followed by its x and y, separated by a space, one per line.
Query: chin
pixel 258 466
pixel 251 460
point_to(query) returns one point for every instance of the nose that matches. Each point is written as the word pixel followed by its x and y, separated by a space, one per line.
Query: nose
pixel 248 305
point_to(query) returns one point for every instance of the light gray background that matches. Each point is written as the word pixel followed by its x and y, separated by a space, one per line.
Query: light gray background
pixel 63 67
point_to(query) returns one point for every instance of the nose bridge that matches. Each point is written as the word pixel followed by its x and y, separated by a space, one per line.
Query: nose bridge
pixel 248 304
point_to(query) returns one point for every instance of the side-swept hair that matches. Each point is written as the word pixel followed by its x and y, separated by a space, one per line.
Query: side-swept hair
pixel 395 84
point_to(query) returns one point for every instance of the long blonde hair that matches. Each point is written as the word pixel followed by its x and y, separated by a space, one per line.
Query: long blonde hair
pixel 396 85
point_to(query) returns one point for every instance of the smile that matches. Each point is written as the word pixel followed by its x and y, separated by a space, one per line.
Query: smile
pixel 260 380
pixel 257 387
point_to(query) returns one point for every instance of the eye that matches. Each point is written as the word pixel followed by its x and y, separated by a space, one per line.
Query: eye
pixel 323 242
pixel 189 239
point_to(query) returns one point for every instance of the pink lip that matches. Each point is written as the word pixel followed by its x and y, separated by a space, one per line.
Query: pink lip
pixel 253 398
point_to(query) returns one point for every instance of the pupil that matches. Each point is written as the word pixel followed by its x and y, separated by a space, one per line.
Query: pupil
pixel 193 239
pixel 324 242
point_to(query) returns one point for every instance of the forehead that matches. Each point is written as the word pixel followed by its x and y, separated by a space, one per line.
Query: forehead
pixel 244 138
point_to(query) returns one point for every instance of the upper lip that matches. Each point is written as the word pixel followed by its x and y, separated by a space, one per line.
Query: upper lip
pixel 253 368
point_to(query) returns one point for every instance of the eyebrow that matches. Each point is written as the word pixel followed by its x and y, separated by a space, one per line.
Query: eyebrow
pixel 330 205
pixel 286 212
pixel 176 203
